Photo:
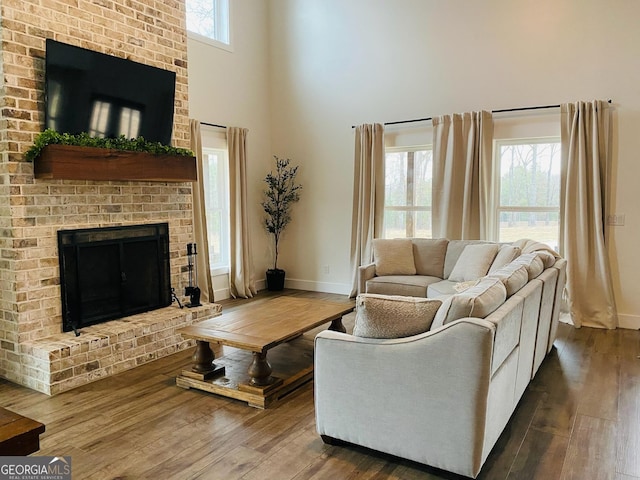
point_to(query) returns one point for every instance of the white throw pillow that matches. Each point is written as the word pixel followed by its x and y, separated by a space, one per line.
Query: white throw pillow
pixel 393 316
pixel 506 255
pixel 478 301
pixel 393 256
pixel 474 262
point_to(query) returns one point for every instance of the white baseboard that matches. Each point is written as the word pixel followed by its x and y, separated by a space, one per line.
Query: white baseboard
pixel 326 287
pixel 631 322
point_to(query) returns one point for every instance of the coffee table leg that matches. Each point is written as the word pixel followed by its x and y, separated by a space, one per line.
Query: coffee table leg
pixel 260 370
pixel 203 358
pixel 337 325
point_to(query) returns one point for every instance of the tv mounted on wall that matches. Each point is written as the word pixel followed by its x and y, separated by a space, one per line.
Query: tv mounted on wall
pixel 106 96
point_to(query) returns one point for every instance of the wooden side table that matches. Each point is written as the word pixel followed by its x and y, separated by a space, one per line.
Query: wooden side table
pixel 19 435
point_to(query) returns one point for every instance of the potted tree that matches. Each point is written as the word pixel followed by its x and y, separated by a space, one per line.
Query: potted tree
pixel 281 193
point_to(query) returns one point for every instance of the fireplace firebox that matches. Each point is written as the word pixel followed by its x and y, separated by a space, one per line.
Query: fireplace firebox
pixel 113 272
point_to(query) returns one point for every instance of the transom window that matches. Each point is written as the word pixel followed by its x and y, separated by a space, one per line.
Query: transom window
pixel 408 179
pixel 209 20
pixel 529 190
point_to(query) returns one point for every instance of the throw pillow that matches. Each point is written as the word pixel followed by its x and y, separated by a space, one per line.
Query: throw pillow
pixel 393 316
pixel 478 301
pixel 429 254
pixel 393 256
pixel 474 262
pixel 506 255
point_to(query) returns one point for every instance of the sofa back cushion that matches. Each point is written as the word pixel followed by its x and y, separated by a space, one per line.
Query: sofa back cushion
pixel 514 276
pixel 532 262
pixel 506 255
pixel 428 255
pixel 477 301
pixel 393 256
pixel 454 250
pixel 474 262
pixel 385 316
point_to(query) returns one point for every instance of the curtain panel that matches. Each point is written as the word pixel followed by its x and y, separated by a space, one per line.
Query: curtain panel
pixel 462 175
pixel 368 196
pixel 241 278
pixel 584 193
pixel 200 234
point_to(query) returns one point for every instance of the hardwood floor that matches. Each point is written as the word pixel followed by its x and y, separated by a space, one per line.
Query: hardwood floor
pixel 578 419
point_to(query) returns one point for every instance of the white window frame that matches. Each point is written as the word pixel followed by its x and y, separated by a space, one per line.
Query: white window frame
pixel 222 25
pixel 407 208
pixel 215 143
pixel 497 206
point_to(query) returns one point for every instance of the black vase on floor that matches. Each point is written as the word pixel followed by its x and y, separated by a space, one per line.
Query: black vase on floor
pixel 275 279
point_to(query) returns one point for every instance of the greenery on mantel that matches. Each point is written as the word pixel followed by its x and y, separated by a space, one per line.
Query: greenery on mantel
pixel 51 137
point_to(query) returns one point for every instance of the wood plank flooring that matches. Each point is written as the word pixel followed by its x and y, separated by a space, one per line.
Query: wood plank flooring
pixel 578 419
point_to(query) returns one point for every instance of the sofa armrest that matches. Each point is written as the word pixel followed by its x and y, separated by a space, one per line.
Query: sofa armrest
pixel 365 272
pixel 422 397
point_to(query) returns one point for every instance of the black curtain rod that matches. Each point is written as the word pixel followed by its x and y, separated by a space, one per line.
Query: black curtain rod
pixel 518 109
pixel 212 125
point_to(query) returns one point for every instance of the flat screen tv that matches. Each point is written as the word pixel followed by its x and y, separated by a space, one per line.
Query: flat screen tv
pixel 106 96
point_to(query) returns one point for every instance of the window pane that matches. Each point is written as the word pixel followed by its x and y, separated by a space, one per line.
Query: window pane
pixel 408 180
pixel 216 204
pixel 209 18
pixel 530 175
pixel 541 226
pixel 395 173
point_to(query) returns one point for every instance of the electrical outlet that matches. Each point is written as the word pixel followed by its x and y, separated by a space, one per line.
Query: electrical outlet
pixel 326 269
pixel 616 220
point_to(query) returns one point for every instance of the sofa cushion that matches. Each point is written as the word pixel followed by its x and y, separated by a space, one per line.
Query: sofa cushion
pixel 442 289
pixel 478 301
pixel 383 316
pixel 407 285
pixel 506 255
pixel 474 262
pixel 393 256
pixel 429 254
pixel 514 276
pixel 532 262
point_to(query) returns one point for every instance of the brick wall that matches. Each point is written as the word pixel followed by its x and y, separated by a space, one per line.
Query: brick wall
pixel 31 211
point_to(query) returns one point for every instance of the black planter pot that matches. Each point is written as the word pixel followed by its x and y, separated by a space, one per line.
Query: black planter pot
pixel 275 279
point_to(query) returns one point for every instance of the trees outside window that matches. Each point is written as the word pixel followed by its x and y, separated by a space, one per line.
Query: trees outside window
pixel 528 203
pixel 216 188
pixel 408 179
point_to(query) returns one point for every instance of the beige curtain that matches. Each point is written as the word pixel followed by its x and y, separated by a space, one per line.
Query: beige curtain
pixel 200 218
pixel 241 279
pixel 462 157
pixel 584 191
pixel 368 196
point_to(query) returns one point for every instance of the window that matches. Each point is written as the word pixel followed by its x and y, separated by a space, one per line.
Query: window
pixel 529 190
pixel 408 178
pixel 209 20
pixel 216 187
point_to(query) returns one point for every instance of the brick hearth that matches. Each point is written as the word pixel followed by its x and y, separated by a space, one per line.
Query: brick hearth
pixel 63 361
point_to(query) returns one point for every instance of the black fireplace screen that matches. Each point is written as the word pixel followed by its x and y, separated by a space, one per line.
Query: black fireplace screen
pixel 113 272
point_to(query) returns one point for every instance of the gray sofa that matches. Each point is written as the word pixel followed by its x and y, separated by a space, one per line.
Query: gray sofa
pixel 443 396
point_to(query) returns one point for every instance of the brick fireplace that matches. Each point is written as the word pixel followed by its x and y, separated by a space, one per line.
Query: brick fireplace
pixel 33 350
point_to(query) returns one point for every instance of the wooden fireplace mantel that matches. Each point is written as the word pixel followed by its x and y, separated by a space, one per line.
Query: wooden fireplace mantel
pixel 70 162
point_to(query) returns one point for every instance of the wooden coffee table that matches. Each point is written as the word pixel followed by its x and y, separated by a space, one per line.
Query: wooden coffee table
pixel 276 326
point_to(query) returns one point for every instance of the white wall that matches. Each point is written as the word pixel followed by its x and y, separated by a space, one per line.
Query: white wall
pixel 232 88
pixel 337 63
pixel 304 71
